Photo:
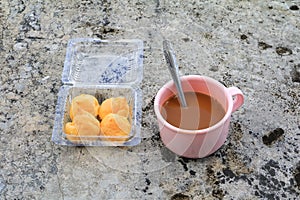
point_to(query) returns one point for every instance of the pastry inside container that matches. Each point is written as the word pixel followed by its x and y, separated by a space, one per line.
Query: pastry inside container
pixel 103 69
pixel 100 94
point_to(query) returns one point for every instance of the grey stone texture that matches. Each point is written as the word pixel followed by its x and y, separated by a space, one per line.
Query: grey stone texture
pixel 253 45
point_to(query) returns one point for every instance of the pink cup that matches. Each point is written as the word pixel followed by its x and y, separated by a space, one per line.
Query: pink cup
pixel 203 142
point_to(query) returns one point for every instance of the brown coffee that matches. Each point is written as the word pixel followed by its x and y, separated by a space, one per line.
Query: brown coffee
pixel 202 111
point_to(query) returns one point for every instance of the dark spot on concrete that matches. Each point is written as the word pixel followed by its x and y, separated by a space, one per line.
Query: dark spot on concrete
pixel 214 68
pixel 31 22
pixel 273 163
pixel 102 31
pixel 183 164
pixel 295 73
pixel 106 21
pixel 218 193
pixel 154 139
pixel 21 6
pixel 227 79
pixel 150 105
pixel 145 189
pixel 244 37
pixel 268 183
pixel 264 45
pixel 283 195
pixel 158 8
pixel 109 30
pixel 270 7
pixel 272 172
pixel 208 35
pixel 167 155
pixel 237 131
pixel 291 181
pixel 254 134
pixel 263 180
pixel 148 182
pixel 214 179
pixel 192 172
pixel 245 178
pixel 273 136
pixel 186 39
pixel 297 176
pixel 144 124
pixel 294 7
pixel 42 187
pixel 229 173
pixel 54 89
pixel 275 181
pixel 265 195
pixel 180 196
pixel 209 171
pixel 283 51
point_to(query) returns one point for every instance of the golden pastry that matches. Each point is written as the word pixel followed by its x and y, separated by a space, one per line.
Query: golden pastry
pixel 85 102
pixel 115 125
pixel 84 124
pixel 116 105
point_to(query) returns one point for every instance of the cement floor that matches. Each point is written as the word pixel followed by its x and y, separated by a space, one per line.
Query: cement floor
pixel 253 45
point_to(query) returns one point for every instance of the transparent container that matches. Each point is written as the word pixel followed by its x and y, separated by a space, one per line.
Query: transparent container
pixel 103 69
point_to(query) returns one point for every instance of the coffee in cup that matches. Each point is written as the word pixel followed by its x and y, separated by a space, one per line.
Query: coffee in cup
pixel 202 128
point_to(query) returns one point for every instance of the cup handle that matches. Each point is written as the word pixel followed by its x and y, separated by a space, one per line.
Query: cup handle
pixel 238 97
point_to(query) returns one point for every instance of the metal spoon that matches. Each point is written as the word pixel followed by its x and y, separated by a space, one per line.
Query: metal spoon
pixel 173 68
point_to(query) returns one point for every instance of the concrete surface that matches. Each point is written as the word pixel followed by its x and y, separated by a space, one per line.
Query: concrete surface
pixel 254 45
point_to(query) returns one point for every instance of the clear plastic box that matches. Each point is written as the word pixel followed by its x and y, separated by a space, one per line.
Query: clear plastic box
pixel 103 69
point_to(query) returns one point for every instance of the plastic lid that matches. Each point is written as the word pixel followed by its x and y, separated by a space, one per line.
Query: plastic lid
pixel 96 62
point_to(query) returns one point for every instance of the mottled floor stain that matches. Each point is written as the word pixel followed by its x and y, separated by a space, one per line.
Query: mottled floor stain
pixel 273 136
pixel 283 51
pixel 295 73
pixel 180 196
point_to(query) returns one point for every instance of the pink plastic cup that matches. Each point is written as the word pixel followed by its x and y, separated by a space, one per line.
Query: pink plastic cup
pixel 203 142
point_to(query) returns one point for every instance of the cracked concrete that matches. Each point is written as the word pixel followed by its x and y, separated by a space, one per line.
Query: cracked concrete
pixel 252 45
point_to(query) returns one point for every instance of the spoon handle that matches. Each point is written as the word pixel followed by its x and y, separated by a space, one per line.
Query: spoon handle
pixel 173 68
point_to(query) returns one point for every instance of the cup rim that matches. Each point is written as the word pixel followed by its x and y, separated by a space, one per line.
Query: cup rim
pixel 186 131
